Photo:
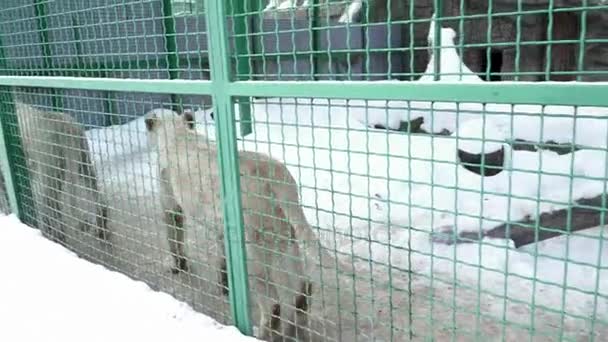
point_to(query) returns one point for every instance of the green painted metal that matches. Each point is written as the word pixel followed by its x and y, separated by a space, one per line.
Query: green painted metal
pixel 171 48
pixel 170 43
pixel 243 69
pixel 489 40
pixel 228 89
pixel 438 10
pixel 189 87
pixel 229 166
pixel 80 62
pixel 549 93
pixel 12 157
pixel 40 11
pixel 314 39
pixel 7 109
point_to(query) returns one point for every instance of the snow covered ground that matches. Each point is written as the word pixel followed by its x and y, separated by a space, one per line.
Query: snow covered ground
pixel 333 167
pixel 49 294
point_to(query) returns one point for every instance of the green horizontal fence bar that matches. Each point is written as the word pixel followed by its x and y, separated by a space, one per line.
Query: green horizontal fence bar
pixel 548 93
pixel 223 104
pixel 189 87
pixel 542 93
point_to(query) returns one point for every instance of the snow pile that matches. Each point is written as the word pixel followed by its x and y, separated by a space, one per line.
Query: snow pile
pixel 451 67
pixel 52 295
pixel 335 170
pixel 533 180
pixel 584 125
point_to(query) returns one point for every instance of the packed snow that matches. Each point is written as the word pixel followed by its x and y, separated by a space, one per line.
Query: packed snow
pixel 451 67
pixel 49 294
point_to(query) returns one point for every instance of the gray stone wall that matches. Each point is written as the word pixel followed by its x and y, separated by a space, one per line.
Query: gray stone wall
pixel 533 58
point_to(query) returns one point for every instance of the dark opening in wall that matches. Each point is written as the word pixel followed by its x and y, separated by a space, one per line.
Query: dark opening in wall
pixel 495 64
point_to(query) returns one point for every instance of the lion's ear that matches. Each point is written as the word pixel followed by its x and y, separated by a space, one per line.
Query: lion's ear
pixel 188 117
pixel 149 124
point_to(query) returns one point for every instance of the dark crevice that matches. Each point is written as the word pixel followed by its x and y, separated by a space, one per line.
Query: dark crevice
pixel 415 126
pixel 495 62
pixel 550 224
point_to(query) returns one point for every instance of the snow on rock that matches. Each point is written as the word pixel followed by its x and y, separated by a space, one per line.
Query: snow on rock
pixel 52 295
pixel 349 171
pixel 583 125
pixel 451 66
pixel 341 169
pixel 532 182
pixel 355 114
pixel 589 246
pixel 479 136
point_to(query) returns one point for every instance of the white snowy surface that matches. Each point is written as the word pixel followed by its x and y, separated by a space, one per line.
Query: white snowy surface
pixel 336 171
pixel 49 294
pixel 451 67
pixel 333 168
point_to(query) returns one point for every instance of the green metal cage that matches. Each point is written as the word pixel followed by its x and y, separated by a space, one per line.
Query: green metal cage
pixel 452 156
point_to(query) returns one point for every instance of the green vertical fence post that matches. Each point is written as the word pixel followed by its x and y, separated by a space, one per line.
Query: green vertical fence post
pixel 243 70
pixel 171 47
pixel 313 23
pixel 5 164
pixel 229 165
pixel 12 158
pixel 438 10
pixel 40 11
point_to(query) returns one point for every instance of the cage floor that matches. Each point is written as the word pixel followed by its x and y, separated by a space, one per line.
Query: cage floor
pixel 391 304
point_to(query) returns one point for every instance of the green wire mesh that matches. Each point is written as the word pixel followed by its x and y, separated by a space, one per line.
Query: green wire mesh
pixel 411 185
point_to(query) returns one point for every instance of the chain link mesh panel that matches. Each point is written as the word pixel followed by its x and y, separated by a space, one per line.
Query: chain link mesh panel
pixel 409 196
